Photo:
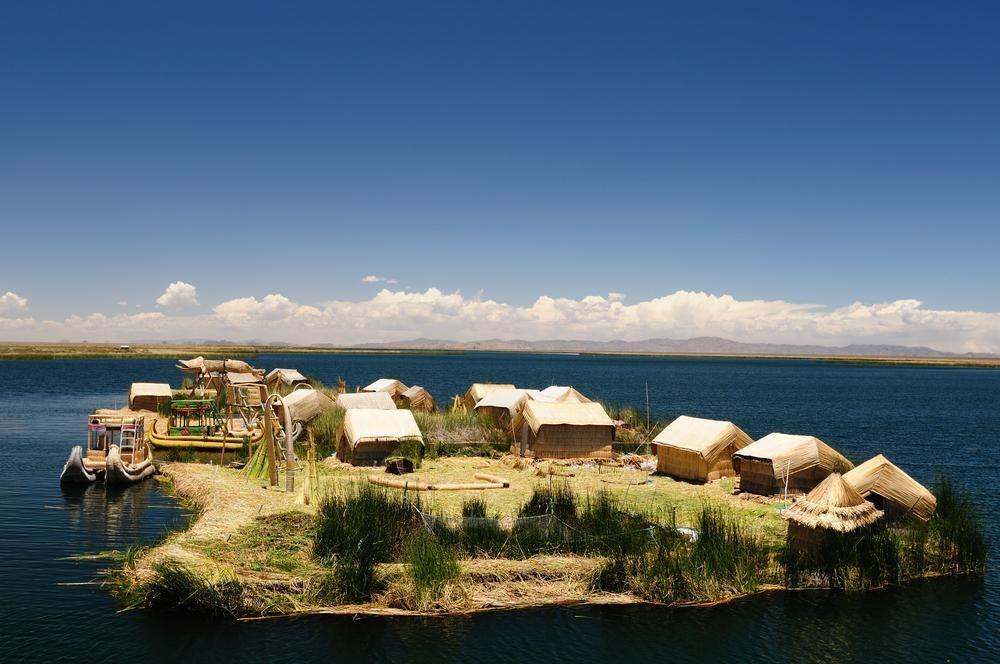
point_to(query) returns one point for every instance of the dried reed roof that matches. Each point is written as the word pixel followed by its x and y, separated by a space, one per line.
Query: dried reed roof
pixel 286 376
pixel 790 454
pixel 562 393
pixel 390 385
pixel 833 504
pixel 511 399
pixel 541 413
pixel 883 478
pixel 304 405
pixel 370 400
pixel 366 425
pixel 707 438
pixel 479 390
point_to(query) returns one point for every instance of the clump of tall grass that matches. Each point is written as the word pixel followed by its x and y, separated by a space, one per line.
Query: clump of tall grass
pixel 606 527
pixel 409 449
pixel 356 530
pixel 955 532
pixel 556 499
pixel 431 565
pixel 324 429
pixel 178 587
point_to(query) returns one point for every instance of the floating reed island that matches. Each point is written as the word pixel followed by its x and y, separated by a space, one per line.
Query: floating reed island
pixel 378 502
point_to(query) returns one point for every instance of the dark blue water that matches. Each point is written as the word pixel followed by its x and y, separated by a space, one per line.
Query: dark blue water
pixel 924 419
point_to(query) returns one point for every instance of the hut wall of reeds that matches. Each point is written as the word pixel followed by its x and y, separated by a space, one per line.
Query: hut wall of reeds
pixel 417 398
pixel 149 396
pixel 563 430
pixel 700 450
pixel 368 436
pixel 477 391
pixel 369 400
pixel 890 489
pixel 805 461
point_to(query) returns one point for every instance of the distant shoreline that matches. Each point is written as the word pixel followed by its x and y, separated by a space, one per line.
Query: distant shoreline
pixel 58 351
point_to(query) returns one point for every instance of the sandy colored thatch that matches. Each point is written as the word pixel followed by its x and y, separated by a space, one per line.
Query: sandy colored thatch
pixel 833 505
pixel 149 396
pixel 479 390
pixel 502 406
pixel 417 398
pixel 563 430
pixel 804 461
pixel 368 436
pixel 560 393
pixel 286 376
pixel 693 448
pixel 892 490
pixel 369 400
pixel 391 386
pixel 200 365
pixel 305 404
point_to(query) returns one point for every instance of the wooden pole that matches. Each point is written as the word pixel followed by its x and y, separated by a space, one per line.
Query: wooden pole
pixel 272 462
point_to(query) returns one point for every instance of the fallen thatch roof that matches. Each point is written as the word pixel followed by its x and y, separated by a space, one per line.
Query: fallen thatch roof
pixel 390 385
pixel 883 478
pixel 833 504
pixel 791 454
pixel 707 438
pixel 304 405
pixel 541 413
pixel 366 425
pixel 558 393
pixel 370 400
pixel 477 391
pixel 286 376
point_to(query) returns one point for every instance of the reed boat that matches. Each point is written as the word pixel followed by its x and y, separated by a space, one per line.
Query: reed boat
pixel 162 436
pixel 116 452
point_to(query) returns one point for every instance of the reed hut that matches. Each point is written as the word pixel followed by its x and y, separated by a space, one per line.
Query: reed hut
pixel 562 393
pixel 149 396
pixel 891 490
pixel 563 430
pixel 502 406
pixel 479 390
pixel 243 387
pixel 832 506
pixel 305 405
pixel 417 398
pixel 368 436
pixel 391 386
pixel 287 378
pixel 699 450
pixel 369 400
pixel 778 460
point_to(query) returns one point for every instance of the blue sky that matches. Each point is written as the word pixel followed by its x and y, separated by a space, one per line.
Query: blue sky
pixel 800 152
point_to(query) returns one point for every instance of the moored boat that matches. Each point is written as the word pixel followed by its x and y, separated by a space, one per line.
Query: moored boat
pixel 75 470
pixel 117 451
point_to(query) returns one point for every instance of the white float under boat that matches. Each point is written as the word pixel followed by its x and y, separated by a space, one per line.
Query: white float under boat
pixel 117 451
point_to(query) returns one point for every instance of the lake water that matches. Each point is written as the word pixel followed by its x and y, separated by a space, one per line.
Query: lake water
pixel 924 419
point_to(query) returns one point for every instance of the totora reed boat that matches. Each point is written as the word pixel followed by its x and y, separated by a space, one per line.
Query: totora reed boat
pixel 117 451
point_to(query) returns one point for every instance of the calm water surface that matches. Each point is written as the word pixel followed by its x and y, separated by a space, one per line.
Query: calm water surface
pixel 924 419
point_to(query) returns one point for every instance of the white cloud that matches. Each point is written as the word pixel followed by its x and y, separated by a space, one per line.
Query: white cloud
pixel 397 315
pixel 375 279
pixel 179 294
pixel 12 303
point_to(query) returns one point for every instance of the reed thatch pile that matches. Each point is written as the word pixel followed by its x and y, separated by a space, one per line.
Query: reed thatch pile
pixel 885 484
pixel 693 448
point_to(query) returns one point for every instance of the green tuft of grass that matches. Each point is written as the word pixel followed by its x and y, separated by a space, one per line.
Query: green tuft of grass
pixel 432 565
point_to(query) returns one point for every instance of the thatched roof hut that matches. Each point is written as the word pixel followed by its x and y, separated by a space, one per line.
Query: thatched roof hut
pixel 832 506
pixel 389 385
pixel 692 448
pixel 286 377
pixel 563 430
pixel 502 406
pixel 417 398
pixel 367 437
pixel 305 404
pixel 764 466
pixel 369 400
pixel 890 489
pixel 479 390
pixel 562 393
pixel 149 396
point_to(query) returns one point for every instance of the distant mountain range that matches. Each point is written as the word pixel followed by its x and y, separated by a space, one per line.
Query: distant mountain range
pixel 695 346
